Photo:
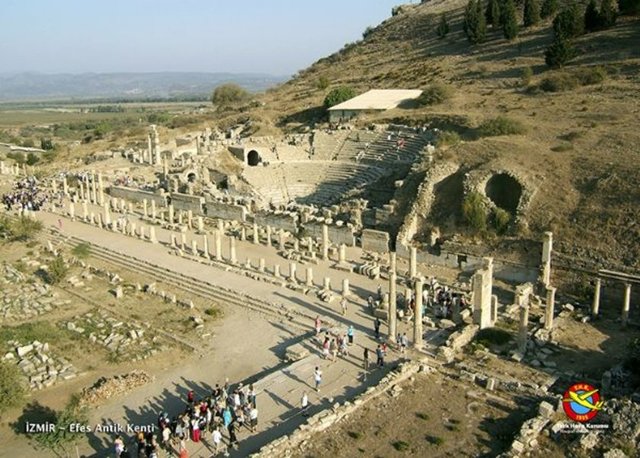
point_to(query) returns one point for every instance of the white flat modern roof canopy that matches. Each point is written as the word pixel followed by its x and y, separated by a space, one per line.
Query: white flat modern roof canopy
pixel 378 99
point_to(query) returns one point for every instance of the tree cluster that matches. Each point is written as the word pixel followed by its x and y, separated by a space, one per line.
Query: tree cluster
pixel 338 95
pixel 228 95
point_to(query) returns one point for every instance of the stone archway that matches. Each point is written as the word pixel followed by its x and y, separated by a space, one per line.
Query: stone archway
pixel 253 158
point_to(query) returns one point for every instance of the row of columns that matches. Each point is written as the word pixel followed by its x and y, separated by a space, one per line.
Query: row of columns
pixel 626 301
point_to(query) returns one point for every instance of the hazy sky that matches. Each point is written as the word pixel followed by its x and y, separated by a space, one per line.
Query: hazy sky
pixel 265 36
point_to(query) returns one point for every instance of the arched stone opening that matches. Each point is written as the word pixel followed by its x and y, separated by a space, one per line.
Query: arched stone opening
pixel 192 177
pixel 253 158
pixel 504 191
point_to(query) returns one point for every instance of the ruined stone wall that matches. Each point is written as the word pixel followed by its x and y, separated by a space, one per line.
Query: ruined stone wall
pixel 220 210
pixel 502 269
pixel 137 195
pixel 187 202
pixel 424 200
pixel 287 221
pixel 337 234
pixel 377 241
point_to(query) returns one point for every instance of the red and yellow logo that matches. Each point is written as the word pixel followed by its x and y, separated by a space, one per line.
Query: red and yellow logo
pixel 581 402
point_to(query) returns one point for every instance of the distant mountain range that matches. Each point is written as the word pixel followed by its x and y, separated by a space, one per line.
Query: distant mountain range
pixel 137 86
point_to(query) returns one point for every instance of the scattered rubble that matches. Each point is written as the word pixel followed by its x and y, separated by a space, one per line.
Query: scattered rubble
pixel 106 388
pixel 40 366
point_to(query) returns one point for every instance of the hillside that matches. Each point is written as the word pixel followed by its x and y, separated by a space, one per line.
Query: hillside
pixel 579 152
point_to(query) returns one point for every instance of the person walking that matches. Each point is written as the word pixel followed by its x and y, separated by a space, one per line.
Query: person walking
pixel 404 342
pixel 343 304
pixel 233 437
pixel 380 356
pixel 376 327
pixel 318 325
pixel 317 376
pixel 253 419
pixel 216 438
pixel 365 362
pixel 350 333
pixel 305 404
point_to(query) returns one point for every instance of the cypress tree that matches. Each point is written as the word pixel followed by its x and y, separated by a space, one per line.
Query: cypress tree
pixel 509 20
pixel 474 25
pixel 629 7
pixel 559 52
pixel 549 8
pixel 569 22
pixel 591 17
pixel 492 13
pixel 531 13
pixel 608 13
pixel 443 26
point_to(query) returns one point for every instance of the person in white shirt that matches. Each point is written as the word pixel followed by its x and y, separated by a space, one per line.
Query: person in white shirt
pixel 216 437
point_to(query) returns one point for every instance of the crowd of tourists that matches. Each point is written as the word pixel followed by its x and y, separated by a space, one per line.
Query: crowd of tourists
pixel 26 194
pixel 211 419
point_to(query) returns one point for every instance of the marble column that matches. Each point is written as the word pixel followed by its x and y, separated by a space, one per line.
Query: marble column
pixel 548 312
pixel 595 306
pixel 626 305
pixel 417 322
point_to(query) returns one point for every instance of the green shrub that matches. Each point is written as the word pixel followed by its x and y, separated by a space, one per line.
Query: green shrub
pixel 17 156
pixel 229 94
pixel 400 446
pixel 562 147
pixel 12 390
pixel 21 229
pixel 501 126
pixel 323 83
pixel 566 81
pixel 422 416
pixel 57 271
pixel 212 312
pixel 526 76
pixel 590 75
pixel 339 95
pixel 435 440
pixel 61 438
pixel 81 250
pixel 354 434
pixel 501 220
pixel 32 159
pixel 474 212
pixel 434 94
pixel 559 82
pixel 448 138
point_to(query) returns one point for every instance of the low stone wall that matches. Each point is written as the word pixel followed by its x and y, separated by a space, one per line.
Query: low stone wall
pixel 137 195
pixel 377 241
pixel 337 234
pixel 286 221
pixel 188 202
pixel 220 210
pixel 328 417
